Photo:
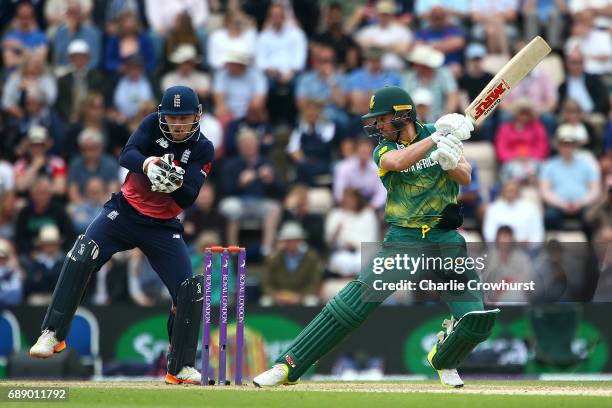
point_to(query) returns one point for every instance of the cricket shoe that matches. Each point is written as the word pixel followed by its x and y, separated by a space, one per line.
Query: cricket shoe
pixel 47 345
pixel 277 375
pixel 449 377
pixel 187 375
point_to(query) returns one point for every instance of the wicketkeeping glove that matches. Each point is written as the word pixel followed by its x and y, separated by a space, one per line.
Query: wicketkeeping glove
pixel 165 176
pixel 454 123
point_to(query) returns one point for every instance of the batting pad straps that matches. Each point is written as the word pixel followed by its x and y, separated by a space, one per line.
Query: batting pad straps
pixel 186 327
pixel 344 313
pixel 472 329
pixel 78 266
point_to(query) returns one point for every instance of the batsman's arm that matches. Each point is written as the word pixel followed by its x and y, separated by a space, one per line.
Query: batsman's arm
pixel 195 174
pixel 398 160
pixel 462 174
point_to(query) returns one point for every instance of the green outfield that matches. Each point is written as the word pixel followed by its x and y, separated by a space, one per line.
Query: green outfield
pixel 428 394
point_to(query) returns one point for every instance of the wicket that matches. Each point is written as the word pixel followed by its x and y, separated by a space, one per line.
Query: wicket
pixel 223 312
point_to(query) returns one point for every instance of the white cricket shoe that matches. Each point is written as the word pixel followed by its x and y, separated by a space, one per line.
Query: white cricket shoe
pixel 187 375
pixel 449 377
pixel 47 345
pixel 277 375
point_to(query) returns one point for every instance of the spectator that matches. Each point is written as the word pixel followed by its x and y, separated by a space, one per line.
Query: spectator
pixel 281 53
pixel 599 216
pixel 77 84
pixel 459 9
pixel 8 214
pixel 292 275
pixel 427 72
pixel 32 74
pixel 11 285
pixel 162 16
pixel 324 82
pixel 569 182
pixel 237 32
pixel 594 44
pixel 204 216
pixel 443 35
pixel 24 29
pixel 545 16
pixel 345 48
pixel 495 23
pixel 185 72
pixel 522 143
pixel 572 114
pixel 129 40
pixel 256 119
pixel 36 161
pixel 237 87
pixel 75 26
pixel 359 172
pixel 252 187
pixel 390 35
pixel 346 228
pixel 297 208
pixel 44 265
pixel 471 199
pixel 39 211
pixel 423 99
pixel 56 10
pixel 12 57
pixel 312 143
pixel 109 15
pixel 83 212
pixel 92 162
pixel 522 216
pixel 183 32
pixel 132 90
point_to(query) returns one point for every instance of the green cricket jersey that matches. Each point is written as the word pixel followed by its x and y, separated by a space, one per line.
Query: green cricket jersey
pixel 415 196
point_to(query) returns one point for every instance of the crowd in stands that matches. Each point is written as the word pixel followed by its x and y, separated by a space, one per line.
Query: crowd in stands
pixel 283 85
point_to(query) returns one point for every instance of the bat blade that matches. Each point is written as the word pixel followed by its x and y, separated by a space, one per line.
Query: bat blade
pixel 506 79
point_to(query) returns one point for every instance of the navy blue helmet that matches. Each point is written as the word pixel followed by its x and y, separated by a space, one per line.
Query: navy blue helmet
pixel 179 101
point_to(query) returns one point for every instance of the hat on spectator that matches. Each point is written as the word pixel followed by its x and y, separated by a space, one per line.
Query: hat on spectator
pixel 48 234
pixel 90 135
pixel 373 53
pixel 385 7
pixel 427 56
pixel 475 50
pixel 522 104
pixel 5 248
pixel 291 230
pixel 183 53
pixel 38 134
pixel 238 55
pixel 422 96
pixel 572 133
pixel 78 47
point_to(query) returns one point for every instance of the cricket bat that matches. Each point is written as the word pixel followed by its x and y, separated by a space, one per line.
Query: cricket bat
pixel 510 75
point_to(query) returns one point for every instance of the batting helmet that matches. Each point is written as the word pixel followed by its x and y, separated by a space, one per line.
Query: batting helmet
pixel 390 99
pixel 179 101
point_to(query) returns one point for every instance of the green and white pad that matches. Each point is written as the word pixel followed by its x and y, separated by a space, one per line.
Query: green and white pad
pixel 469 331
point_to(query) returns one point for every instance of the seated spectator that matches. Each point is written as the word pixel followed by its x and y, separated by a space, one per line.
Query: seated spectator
pixel 256 119
pixel 129 40
pixel 346 228
pixel 179 29
pixel 185 72
pixel 324 82
pixel 545 16
pixel 280 52
pixel 252 187
pixel 13 52
pixel 92 162
pixel 237 32
pixel 238 86
pixel 74 87
pixel 8 214
pixel 43 266
pixel 31 74
pixel 494 24
pixel 345 48
pixel 55 11
pixel 24 29
pixel 443 35
pixel 297 208
pixel 132 89
pixel 359 172
pixel 423 100
pixel 390 35
pixel 36 161
pixel 11 284
pixel 83 212
pixel 522 143
pixel 427 72
pixel 471 199
pixel 569 183
pixel 211 127
pixel 39 211
pixel 76 26
pixel 163 16
pixel 522 216
pixel 572 114
pixel 204 216
pixel 593 43
pixel 312 143
pixel 292 275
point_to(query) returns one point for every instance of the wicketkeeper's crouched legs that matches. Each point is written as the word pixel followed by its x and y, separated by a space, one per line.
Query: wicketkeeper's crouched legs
pixel 341 315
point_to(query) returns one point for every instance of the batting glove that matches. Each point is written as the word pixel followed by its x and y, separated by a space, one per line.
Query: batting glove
pixel 454 123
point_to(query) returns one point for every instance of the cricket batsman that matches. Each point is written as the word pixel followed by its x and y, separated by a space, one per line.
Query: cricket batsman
pixel 421 166
pixel 168 160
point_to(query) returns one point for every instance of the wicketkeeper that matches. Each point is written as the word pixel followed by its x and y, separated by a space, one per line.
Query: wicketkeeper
pixel 168 160
pixel 421 166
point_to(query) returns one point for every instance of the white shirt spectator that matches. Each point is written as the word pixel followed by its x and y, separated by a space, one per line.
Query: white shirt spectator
pixel 129 95
pixel 220 43
pixel 211 128
pixel 284 50
pixel 239 90
pixel 162 14
pixel 595 44
pixel 523 216
pixel 385 37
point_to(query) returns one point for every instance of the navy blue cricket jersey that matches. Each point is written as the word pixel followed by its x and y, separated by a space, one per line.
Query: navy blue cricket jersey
pixel 195 156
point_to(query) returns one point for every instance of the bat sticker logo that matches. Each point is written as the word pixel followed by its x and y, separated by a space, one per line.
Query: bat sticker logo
pixel 493 98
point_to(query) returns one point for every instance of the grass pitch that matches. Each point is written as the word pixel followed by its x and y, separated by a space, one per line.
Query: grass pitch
pixel 430 394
